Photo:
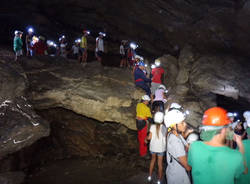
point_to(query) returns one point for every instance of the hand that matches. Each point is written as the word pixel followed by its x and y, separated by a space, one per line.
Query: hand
pixel 146 141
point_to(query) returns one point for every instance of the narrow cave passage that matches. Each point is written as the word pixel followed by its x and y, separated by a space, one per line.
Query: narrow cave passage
pixel 231 105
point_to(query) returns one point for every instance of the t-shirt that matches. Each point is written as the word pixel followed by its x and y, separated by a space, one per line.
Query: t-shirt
pixel 159 95
pixel 143 111
pixel 157 73
pixel 245 178
pixel 75 49
pixel 175 172
pixel 158 144
pixel 100 45
pixel 216 165
pixel 122 50
pixel 83 43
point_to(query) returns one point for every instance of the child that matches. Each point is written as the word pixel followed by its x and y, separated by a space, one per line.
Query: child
pixel 157 137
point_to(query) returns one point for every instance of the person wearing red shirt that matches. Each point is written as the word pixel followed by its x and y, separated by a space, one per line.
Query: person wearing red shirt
pixel 41 47
pixel 157 76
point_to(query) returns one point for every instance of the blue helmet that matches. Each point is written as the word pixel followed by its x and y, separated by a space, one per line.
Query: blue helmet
pixel 141 63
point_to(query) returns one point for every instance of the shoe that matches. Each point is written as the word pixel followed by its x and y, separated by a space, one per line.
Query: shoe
pixel 149 178
pixel 158 182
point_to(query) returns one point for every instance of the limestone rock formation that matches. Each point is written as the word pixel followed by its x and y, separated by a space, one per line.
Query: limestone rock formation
pixel 20 126
pixel 198 79
pixel 101 93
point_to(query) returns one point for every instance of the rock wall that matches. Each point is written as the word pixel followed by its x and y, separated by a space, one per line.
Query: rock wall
pixel 20 126
pixel 194 80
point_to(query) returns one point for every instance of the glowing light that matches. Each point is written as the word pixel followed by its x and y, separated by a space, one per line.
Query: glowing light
pixel 146 65
pixel 30 30
pixel 187 112
pixel 157 63
pixel 102 34
pixel 16 32
pixel 153 66
pixel 78 40
pixel 51 43
pixel 133 45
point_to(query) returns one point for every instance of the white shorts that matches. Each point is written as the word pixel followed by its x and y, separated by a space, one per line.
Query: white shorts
pixel 19 53
pixel 154 87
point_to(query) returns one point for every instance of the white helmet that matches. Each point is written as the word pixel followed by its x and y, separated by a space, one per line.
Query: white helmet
pixel 173 117
pixel 162 86
pixel 175 105
pixel 145 98
pixel 246 115
pixel 157 62
pixel 158 117
pixel 192 137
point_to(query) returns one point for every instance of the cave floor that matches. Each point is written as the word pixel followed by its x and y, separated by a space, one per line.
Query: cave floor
pixel 81 171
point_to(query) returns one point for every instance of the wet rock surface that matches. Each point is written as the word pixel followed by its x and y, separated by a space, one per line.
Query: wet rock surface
pixel 20 126
pixel 94 91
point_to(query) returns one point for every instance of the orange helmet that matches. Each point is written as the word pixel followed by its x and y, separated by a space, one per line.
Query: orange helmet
pixel 215 116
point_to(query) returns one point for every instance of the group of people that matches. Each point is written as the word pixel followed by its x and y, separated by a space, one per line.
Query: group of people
pixel 203 158
pixel 40 46
pixel 215 154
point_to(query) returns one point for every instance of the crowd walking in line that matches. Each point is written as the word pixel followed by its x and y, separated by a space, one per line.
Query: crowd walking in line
pixel 218 153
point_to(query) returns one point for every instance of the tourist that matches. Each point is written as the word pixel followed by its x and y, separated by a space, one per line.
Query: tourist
pixel 18 44
pixel 157 146
pixel 100 47
pixel 157 76
pixel 211 160
pixel 143 115
pixel 28 42
pixel 122 54
pixel 83 47
pixel 75 49
pixel 63 46
pixel 141 79
pixel 159 99
pixel 245 178
pixel 41 47
pixel 178 167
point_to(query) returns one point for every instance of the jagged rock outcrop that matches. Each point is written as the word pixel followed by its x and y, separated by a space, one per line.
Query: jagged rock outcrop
pixel 20 126
pixel 101 93
pixel 197 79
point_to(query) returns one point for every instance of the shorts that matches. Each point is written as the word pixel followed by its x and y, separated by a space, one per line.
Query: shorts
pixel 99 53
pixel 154 87
pixel 19 53
pixel 81 51
pixel 123 56
pixel 158 154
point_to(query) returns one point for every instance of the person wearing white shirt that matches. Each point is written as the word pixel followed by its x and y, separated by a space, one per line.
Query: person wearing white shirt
pixel 99 46
pixel 157 147
pixel 123 54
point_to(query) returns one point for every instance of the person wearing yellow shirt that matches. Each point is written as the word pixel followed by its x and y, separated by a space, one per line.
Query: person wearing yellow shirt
pixel 143 114
pixel 83 47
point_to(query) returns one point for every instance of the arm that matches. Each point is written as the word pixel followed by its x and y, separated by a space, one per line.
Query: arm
pixel 184 163
pixel 148 138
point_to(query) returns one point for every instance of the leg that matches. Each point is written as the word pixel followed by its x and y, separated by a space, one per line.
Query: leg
pixel 144 87
pixel 142 134
pixel 152 163
pixel 159 160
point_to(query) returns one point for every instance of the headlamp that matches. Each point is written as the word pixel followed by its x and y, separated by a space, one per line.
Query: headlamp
pixel 30 30
pixel 102 34
pixel 153 66
pixel 78 40
pixel 133 45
